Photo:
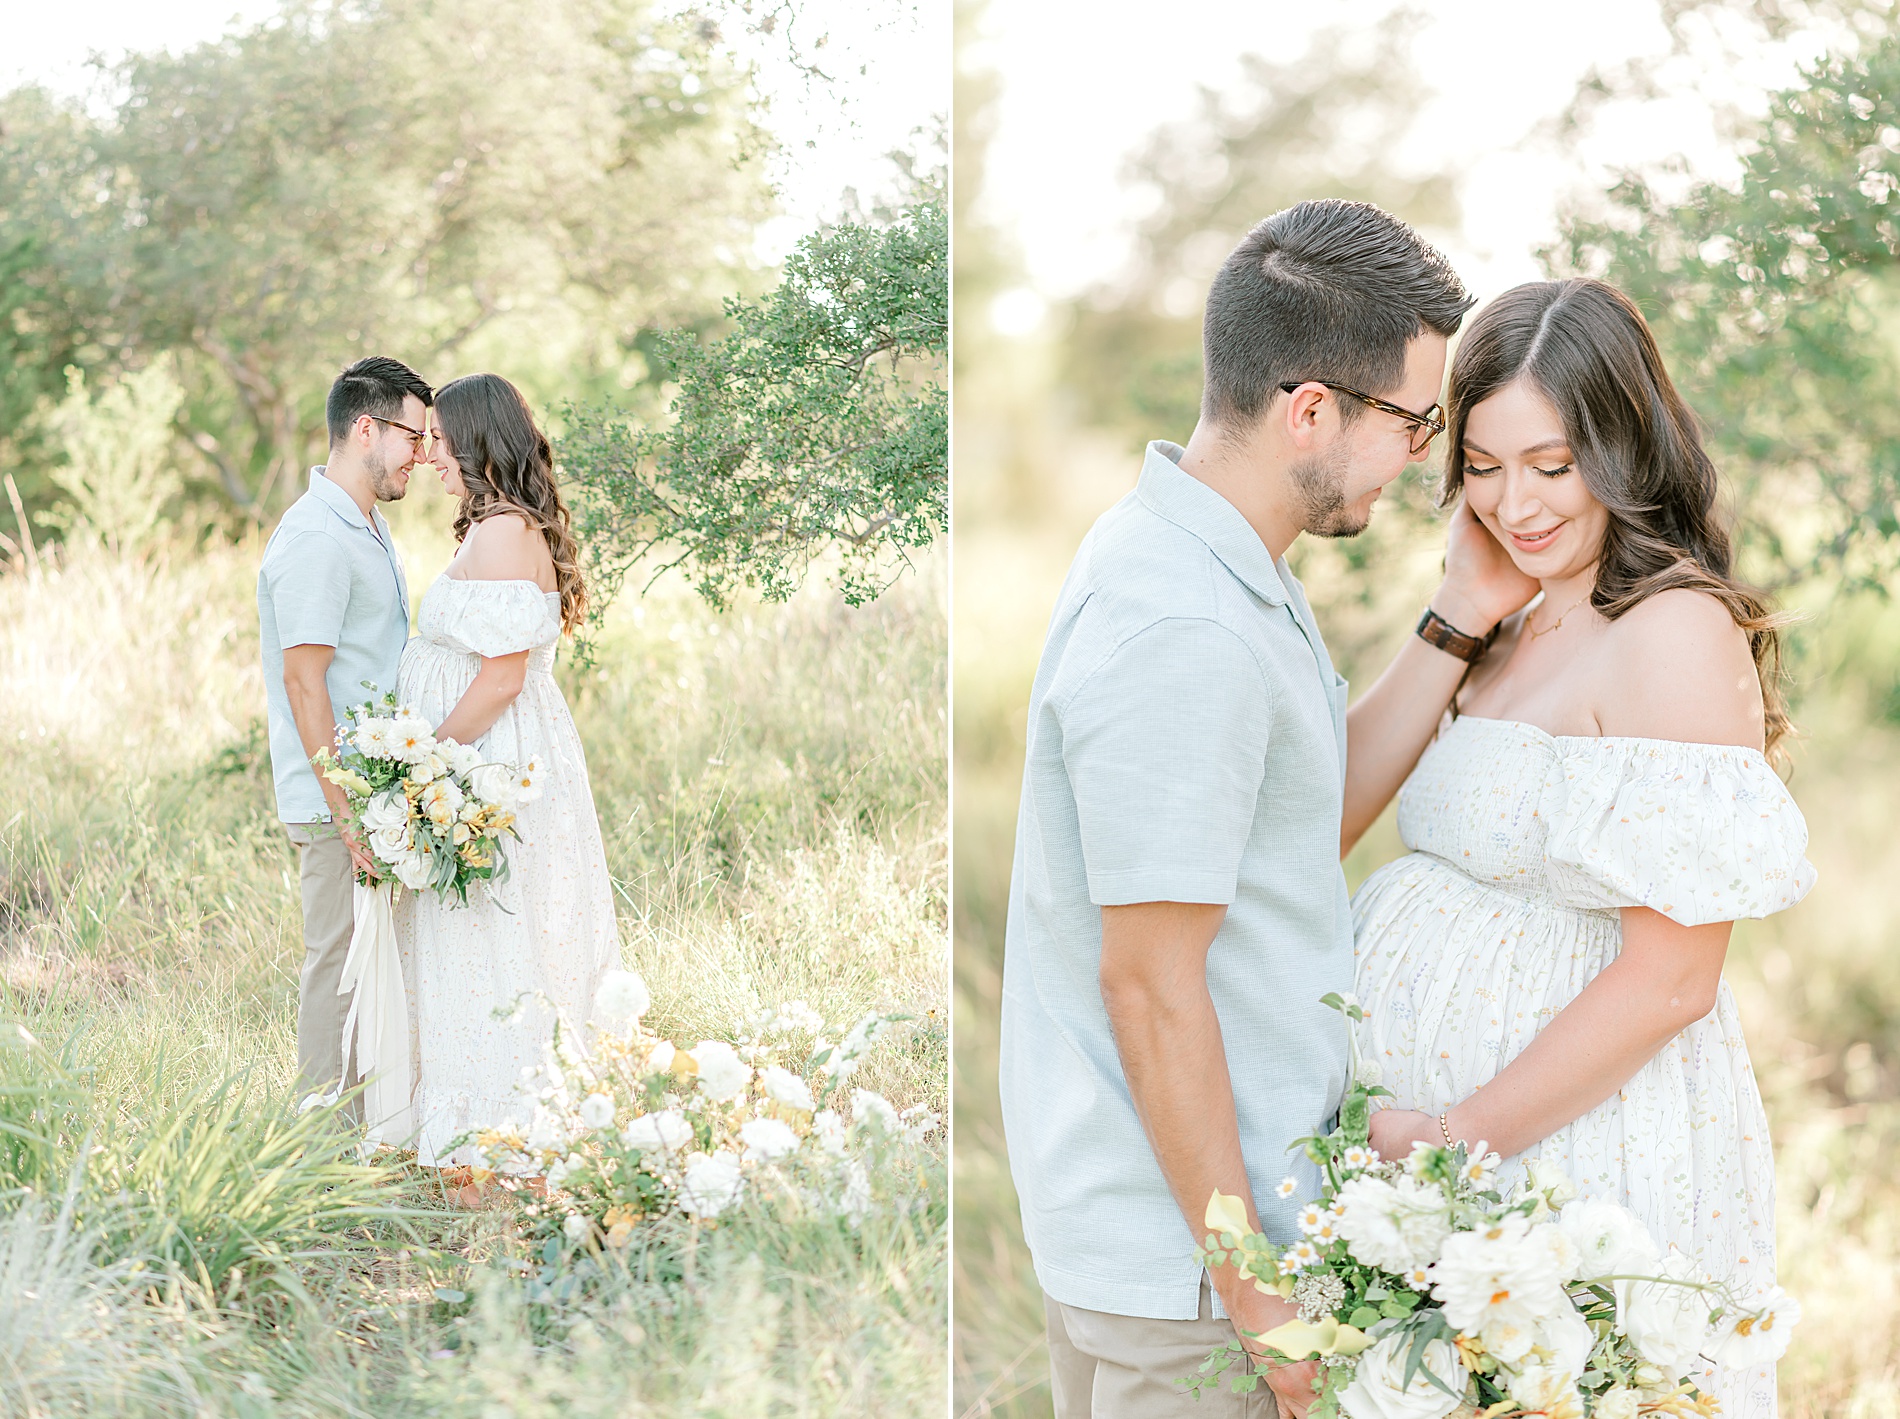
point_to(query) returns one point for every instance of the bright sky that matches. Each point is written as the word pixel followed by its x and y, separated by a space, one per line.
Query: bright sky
pixel 833 138
pixel 1079 98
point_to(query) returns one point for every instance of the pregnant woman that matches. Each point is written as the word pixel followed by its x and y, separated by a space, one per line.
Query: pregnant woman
pixel 1544 970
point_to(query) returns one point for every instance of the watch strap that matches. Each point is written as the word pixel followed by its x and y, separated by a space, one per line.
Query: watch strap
pixel 1436 631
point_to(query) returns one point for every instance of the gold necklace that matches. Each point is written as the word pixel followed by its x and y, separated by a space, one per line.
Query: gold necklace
pixel 1535 633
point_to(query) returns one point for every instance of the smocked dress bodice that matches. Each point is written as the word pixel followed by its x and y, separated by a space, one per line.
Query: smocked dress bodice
pixel 1523 846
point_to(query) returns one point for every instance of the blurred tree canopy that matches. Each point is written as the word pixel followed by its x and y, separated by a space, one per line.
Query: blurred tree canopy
pixel 544 187
pixel 1329 123
pixel 1775 299
pixel 817 421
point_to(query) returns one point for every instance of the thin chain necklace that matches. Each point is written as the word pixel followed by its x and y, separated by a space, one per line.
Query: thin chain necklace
pixel 1535 633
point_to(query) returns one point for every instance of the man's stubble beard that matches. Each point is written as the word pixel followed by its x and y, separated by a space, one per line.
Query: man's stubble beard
pixel 1320 481
pixel 382 482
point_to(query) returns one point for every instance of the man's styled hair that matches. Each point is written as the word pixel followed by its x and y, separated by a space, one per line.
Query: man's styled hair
pixel 1330 290
pixel 373 385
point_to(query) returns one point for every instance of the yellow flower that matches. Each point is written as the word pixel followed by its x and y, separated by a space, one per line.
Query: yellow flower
pixel 1301 1340
pixel 684 1065
pixel 1227 1216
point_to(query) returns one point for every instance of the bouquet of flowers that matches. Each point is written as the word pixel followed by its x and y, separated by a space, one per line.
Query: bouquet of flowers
pixel 429 811
pixel 636 1127
pixel 1423 1292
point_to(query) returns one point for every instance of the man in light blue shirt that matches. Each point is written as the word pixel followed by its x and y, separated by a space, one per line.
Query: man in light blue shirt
pixel 1177 907
pixel 333 616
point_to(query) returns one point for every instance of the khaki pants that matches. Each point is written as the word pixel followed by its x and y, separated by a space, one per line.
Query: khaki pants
pixel 1105 1366
pixel 329 907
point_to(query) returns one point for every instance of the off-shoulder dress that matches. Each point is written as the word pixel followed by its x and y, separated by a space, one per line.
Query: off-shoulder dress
pixel 549 934
pixel 1523 846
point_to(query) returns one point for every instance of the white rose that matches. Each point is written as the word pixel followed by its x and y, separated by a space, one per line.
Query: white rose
pixel 767 1139
pixel 386 811
pixel 621 1000
pixel 493 783
pixel 1551 1183
pixel 660 1057
pixel 1498 1275
pixel 722 1074
pixel 828 1129
pixel 1617 1402
pixel 1375 1391
pixel 413 871
pixel 596 1111
pixel 460 757
pixel 1394 1225
pixel 1565 1341
pixel 392 845
pixel 664 1132
pixel 868 1107
pixel 1610 1240
pixel 711 1185
pixel 787 1088
pixel 1758 1332
pixel 1667 1323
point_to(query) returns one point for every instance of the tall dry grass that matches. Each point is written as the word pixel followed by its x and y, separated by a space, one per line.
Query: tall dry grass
pixel 772 788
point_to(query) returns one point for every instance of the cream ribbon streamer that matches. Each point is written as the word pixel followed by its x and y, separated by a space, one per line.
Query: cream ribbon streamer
pixel 378 1018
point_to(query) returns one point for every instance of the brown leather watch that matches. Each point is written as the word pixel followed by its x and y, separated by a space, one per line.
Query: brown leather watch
pixel 1435 630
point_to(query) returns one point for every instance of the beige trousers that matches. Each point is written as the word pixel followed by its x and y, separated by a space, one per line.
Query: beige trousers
pixel 329 907
pixel 1105 1366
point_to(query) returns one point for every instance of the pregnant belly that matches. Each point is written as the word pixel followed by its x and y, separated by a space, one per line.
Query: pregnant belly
pixel 1457 976
pixel 433 678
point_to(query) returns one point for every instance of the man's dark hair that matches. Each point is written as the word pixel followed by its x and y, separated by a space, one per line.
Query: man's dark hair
pixel 1329 290
pixel 374 385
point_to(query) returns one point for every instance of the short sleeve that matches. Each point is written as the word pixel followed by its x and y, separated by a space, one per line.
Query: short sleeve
pixel 1698 832
pixel 1165 748
pixel 493 618
pixel 309 579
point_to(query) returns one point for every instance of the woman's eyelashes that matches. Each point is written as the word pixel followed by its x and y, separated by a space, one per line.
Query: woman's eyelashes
pixel 1473 471
pixel 1552 472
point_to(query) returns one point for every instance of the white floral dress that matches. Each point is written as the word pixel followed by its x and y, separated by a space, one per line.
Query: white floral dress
pixel 1524 845
pixel 549 934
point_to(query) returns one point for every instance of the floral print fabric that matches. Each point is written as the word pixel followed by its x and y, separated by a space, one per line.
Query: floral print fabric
pixel 1523 846
pixel 549 934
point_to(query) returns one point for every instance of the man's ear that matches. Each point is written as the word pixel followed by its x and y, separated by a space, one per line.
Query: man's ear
pixel 1308 416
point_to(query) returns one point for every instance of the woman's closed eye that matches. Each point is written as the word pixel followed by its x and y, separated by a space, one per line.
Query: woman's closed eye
pixel 1473 471
pixel 1552 472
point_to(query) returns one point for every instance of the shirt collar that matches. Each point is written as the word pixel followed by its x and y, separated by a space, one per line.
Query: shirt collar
pixel 332 496
pixel 1190 504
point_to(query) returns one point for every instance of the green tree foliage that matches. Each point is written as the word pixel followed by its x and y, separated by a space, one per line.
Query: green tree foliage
pixel 1329 123
pixel 817 421
pixel 1777 301
pixel 448 181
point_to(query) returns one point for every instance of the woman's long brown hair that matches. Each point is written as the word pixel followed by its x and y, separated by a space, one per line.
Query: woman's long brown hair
pixel 1587 349
pixel 507 465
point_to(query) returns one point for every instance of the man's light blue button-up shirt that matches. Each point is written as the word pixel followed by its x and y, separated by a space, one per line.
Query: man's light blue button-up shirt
pixel 1186 743
pixel 329 577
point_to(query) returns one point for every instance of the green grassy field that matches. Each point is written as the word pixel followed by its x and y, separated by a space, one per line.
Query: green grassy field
pixel 772 788
pixel 1819 986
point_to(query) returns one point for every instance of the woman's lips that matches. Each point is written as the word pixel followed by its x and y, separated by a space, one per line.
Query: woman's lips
pixel 1535 541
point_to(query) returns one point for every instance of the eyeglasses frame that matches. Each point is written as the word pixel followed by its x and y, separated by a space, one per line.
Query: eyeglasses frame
pixel 420 439
pixel 1432 421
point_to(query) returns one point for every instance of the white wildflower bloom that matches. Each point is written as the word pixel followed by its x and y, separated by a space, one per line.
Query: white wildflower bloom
pixel 386 811
pixel 797 1015
pixel 1617 1402
pixel 722 1074
pixel 1758 1332
pixel 868 1107
pixel 1499 1274
pixel 1481 1168
pixel 1420 1158
pixel 828 1128
pixel 1287 1187
pixel 1311 1217
pixel 784 1087
pixel 1610 1240
pixel 1357 1158
pixel 546 1131
pixel 1378 1389
pixel 712 1184
pixel 596 1111
pixel 1550 1392
pixel 1419 1278
pixel 663 1132
pixel 1299 1256
pixel 561 1169
pixel 1327 1232
pixel 577 1227
pixel 1667 1323
pixel 621 999
pixel 660 1057
pixel 766 1140
pixel 411 741
pixel 854 1199
pixel 919 1123
pixel 375 739
pixel 1393 1225
pixel 527 781
pixel 494 783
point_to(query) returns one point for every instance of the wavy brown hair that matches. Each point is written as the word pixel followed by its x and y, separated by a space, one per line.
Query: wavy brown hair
pixel 507 465
pixel 1587 349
